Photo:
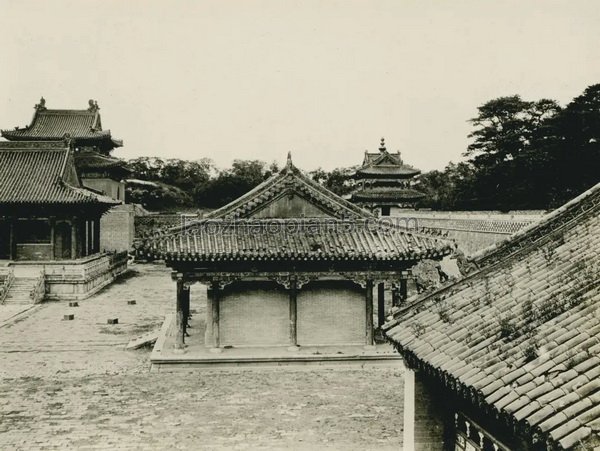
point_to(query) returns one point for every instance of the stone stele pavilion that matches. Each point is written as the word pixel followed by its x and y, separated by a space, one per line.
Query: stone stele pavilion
pixel 385 182
pixel 289 266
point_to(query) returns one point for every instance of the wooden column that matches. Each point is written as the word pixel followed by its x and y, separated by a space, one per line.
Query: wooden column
pixel 369 312
pixel 212 316
pixel 179 320
pixel 74 238
pixel 395 294
pixel 186 308
pixel 92 236
pixel 97 235
pixel 52 221
pixel 13 240
pixel 208 333
pixel 403 289
pixel 87 237
pixel 380 304
pixel 293 313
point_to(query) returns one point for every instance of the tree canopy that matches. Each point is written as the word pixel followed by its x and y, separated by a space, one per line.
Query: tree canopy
pixel 523 155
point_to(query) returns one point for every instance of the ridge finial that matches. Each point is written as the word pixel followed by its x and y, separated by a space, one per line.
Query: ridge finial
pixel 42 105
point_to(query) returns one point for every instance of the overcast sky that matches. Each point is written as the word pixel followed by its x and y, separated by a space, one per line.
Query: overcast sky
pixel 324 79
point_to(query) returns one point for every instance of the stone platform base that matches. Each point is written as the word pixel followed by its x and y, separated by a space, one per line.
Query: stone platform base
pixel 70 280
pixel 195 355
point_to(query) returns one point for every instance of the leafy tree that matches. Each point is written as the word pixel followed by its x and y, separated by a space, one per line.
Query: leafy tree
pixel 448 189
pixel 339 180
pixel 187 174
pixel 157 196
pixel 575 147
pixel 504 152
pixel 234 182
pixel 146 168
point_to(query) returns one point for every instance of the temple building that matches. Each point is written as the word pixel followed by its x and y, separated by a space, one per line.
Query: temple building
pixel 49 222
pixel 509 355
pixel 384 182
pixel 96 168
pixel 289 264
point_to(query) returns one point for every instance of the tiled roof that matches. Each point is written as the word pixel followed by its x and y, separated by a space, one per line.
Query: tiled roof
pixel 41 172
pixel 88 159
pixel 387 170
pixel 385 164
pixel 53 124
pixel 521 333
pixel 386 193
pixel 294 239
pixel 289 180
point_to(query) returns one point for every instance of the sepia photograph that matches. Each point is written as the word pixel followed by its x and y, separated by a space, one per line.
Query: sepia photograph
pixel 300 225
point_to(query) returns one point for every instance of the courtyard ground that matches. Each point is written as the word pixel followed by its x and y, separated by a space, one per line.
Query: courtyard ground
pixel 73 385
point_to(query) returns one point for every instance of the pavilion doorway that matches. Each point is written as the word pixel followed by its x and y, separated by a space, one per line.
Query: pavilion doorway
pixel 62 240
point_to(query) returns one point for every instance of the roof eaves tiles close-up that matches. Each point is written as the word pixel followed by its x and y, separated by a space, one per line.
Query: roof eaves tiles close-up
pixel 526 324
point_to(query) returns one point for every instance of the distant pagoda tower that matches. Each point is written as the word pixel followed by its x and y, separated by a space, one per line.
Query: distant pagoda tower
pixel 384 181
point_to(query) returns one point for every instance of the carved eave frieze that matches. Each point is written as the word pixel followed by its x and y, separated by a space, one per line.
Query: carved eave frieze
pixel 290 279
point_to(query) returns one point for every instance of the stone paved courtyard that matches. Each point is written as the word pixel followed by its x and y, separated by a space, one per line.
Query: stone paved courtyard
pixel 72 385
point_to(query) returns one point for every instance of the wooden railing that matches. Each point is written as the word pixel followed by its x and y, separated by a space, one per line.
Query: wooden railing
pixel 6 278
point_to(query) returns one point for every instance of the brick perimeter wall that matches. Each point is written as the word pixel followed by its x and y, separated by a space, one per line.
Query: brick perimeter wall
pixel 117 228
pixel 472 231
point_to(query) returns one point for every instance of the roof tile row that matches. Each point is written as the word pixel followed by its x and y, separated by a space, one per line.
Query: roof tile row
pixel 524 331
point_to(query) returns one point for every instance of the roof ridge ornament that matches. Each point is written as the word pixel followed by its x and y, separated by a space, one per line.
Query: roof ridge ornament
pixel 40 106
pixel 382 145
pixel 288 165
pixel 93 105
pixel 67 139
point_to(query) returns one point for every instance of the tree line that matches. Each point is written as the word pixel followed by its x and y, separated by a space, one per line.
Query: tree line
pixel 524 154
pixel 175 184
